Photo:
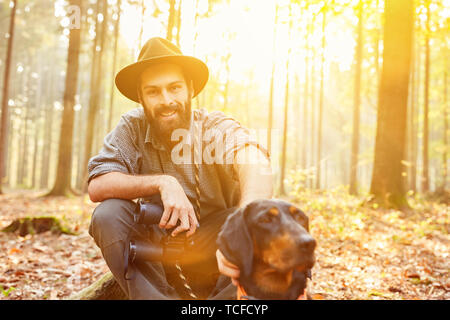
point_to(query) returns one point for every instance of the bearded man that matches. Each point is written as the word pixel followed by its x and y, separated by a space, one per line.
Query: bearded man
pixel 138 160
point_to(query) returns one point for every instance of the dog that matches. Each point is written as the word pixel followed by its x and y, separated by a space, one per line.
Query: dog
pixel 269 241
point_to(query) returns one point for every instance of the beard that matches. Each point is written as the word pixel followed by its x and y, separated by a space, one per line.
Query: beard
pixel 163 128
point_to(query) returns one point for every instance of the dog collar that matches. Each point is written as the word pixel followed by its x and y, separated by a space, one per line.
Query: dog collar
pixel 242 295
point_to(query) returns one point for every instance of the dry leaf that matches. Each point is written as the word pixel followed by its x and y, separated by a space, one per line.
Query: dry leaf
pixel 14 250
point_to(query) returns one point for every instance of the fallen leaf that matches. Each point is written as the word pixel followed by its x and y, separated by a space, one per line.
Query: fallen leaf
pixel 411 273
pixel 394 289
pixel 14 250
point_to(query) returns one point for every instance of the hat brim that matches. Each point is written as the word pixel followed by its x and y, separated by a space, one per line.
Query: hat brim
pixel 127 78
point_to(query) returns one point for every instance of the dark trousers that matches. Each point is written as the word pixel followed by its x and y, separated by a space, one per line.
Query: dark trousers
pixel 110 226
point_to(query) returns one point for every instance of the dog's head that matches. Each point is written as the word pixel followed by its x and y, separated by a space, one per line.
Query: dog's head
pixel 269 241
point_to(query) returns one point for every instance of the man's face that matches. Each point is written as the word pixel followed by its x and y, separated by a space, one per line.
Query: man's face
pixel 166 99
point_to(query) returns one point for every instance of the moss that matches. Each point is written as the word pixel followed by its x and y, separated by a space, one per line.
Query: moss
pixel 34 225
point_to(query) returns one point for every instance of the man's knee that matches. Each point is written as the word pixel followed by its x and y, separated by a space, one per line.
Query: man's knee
pixel 111 209
pixel 110 220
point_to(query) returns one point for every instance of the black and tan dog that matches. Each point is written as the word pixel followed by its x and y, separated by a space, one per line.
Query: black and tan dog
pixel 269 241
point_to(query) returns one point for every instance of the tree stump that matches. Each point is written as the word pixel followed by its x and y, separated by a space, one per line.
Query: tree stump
pixel 34 225
pixel 106 288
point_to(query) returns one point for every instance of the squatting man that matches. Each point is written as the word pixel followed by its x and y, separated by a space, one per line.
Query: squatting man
pixel 143 156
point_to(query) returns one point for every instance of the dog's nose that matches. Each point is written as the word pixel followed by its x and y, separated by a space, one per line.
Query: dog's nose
pixel 307 243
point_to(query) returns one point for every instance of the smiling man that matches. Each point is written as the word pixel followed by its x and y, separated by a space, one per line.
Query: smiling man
pixel 138 160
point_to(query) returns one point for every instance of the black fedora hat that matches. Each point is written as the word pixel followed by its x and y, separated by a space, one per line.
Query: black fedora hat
pixel 159 50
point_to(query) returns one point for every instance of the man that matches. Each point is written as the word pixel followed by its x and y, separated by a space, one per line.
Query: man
pixel 138 160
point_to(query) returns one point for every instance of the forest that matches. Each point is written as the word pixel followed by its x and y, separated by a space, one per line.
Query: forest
pixel 350 97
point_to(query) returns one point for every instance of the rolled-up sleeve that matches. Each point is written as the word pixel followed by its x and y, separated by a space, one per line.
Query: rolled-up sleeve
pixel 118 154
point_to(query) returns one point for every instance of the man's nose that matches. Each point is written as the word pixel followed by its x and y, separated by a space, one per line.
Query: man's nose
pixel 166 98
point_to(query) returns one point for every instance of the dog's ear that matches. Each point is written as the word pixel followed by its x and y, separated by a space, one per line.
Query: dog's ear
pixel 235 242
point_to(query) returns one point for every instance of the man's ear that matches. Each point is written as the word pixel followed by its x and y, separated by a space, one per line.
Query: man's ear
pixel 234 241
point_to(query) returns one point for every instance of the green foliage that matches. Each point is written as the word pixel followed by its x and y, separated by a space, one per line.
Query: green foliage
pixel 6 292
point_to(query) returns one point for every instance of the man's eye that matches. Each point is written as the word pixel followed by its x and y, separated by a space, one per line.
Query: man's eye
pixel 175 88
pixel 151 92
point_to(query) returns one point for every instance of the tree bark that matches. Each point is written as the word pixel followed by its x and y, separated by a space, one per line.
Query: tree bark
pixel 96 79
pixel 272 79
pixel 312 152
pixel 356 104
pixel 387 184
pixel 47 148
pixel 114 63
pixel 64 168
pixel 286 107
pixel 305 100
pixel 413 180
pixel 179 23
pixel 5 96
pixel 412 137
pixel 445 135
pixel 321 99
pixel 425 155
pixel 171 21
pixel 23 146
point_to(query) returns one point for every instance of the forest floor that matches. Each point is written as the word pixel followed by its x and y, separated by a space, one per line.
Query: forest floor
pixel 363 252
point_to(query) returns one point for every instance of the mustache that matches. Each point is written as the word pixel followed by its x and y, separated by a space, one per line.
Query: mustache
pixel 168 108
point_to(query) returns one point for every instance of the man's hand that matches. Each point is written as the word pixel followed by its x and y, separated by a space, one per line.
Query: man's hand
pixel 176 207
pixel 227 268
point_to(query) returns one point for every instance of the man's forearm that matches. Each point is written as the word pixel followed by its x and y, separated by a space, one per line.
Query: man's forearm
pixel 256 179
pixel 123 186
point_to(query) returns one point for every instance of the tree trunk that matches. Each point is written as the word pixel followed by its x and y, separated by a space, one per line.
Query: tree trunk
pixel 35 150
pixel 356 104
pixel 305 100
pixel 286 107
pixel 37 127
pixel 46 149
pixel 171 22
pixel 445 134
pixel 411 130
pixel 319 124
pixel 377 46
pixel 141 30
pixel 114 62
pixel 413 180
pixel 96 79
pixel 5 96
pixel 64 168
pixel 272 79
pixel 387 185
pixel 425 157
pixel 194 42
pixel 313 109
pixel 298 118
pixel 23 146
pixel 179 22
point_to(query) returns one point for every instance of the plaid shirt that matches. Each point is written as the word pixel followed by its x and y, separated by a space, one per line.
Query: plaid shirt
pixel 132 149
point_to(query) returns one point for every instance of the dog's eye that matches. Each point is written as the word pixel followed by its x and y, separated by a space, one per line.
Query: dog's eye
pixel 301 219
pixel 266 218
